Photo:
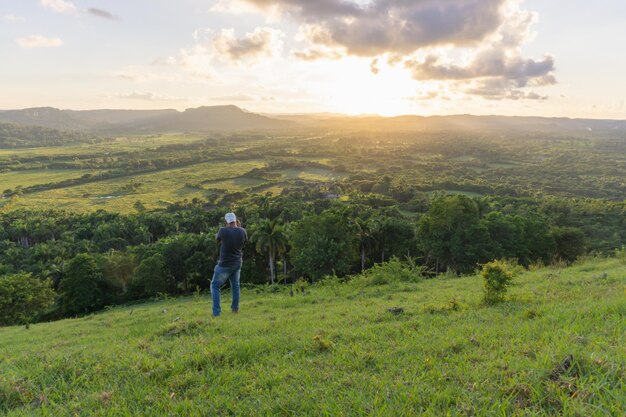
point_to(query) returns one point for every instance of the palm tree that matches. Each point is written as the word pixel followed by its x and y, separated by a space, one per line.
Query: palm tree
pixel 364 236
pixel 270 237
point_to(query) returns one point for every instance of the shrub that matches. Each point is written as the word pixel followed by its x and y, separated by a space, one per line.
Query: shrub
pixel 81 288
pixel 496 279
pixel 393 270
pixel 23 298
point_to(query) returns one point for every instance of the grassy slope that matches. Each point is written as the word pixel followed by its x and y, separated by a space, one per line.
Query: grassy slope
pixel 337 351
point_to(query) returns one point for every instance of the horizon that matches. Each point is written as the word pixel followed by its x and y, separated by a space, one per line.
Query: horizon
pixel 320 114
pixel 353 58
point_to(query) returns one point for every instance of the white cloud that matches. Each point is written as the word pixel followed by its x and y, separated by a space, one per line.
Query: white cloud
pixel 14 18
pixel 242 97
pixel 148 96
pixel 261 43
pixel 197 61
pixel 37 41
pixel 471 45
pixel 233 6
pixel 392 26
pixel 59 6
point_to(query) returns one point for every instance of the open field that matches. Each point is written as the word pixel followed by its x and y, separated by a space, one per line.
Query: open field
pixel 122 143
pixel 174 167
pixel 336 350
pixel 154 189
pixel 40 176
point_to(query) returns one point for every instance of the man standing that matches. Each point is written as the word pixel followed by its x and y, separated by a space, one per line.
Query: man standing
pixel 231 239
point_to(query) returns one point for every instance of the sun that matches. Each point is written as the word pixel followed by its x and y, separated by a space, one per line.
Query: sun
pixel 350 86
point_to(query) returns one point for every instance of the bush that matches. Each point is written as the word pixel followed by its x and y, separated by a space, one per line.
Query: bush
pixel 392 271
pixel 496 279
pixel 81 288
pixel 23 298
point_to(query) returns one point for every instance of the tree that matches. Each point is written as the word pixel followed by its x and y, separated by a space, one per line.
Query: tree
pixel 23 298
pixel 365 237
pixel 151 277
pixel 496 280
pixel 117 271
pixel 80 288
pixel 569 241
pixel 451 232
pixel 270 237
pixel 324 244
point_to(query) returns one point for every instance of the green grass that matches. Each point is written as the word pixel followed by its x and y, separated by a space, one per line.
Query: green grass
pixel 155 190
pixel 337 351
pixel 39 176
pixel 470 194
pixel 120 144
pixel 308 174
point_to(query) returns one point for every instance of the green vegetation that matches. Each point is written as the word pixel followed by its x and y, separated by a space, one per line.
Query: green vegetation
pixel 23 298
pixel 496 280
pixel 18 136
pixel 396 164
pixel 371 236
pixel 406 347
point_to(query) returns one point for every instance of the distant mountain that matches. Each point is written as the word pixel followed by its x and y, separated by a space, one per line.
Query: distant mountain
pixel 134 121
pixel 43 116
pixel 463 123
pixel 18 136
pixel 212 118
pixel 232 118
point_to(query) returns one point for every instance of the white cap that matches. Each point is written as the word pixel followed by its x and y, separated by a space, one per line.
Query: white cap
pixel 230 218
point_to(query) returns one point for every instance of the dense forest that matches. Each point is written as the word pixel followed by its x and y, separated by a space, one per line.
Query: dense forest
pixel 99 259
pixel 19 136
pixel 315 205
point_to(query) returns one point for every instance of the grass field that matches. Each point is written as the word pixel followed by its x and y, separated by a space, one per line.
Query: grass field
pixel 153 189
pixel 126 143
pixel 39 176
pixel 336 350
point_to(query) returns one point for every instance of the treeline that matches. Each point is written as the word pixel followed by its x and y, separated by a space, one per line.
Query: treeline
pixel 18 136
pixel 89 261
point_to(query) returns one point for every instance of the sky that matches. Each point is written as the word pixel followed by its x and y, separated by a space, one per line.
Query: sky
pixel 387 57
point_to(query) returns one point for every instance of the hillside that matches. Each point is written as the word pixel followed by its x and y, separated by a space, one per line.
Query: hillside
pixel 210 118
pixel 336 350
pixel 21 136
pixel 232 118
pixel 139 121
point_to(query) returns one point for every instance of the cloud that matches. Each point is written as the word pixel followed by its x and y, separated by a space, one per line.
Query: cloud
pixel 495 70
pixel 196 61
pixel 263 42
pixel 242 97
pixel 502 89
pixel 374 69
pixel 102 14
pixel 392 26
pixel 488 63
pixel 235 97
pixel 59 6
pixel 148 96
pixel 314 54
pixel 37 41
pixel 14 18
pixel 233 6
pixel 472 45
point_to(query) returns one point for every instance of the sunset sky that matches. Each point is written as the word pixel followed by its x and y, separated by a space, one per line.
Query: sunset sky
pixel 534 57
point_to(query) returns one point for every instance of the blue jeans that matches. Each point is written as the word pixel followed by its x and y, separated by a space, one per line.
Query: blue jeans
pixel 222 274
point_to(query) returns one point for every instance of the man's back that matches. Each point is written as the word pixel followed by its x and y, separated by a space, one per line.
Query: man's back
pixel 232 240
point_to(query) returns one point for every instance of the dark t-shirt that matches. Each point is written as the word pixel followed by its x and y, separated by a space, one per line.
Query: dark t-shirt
pixel 232 240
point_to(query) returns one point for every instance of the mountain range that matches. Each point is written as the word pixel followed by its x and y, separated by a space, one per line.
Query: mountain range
pixel 139 121
pixel 233 118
